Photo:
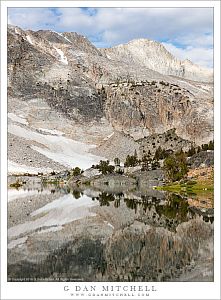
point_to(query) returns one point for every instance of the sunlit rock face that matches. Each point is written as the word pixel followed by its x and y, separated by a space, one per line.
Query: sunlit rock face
pixel 138 88
pixel 61 88
pixel 140 109
pixel 155 57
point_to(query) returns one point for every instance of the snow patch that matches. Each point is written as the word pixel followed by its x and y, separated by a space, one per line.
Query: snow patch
pixel 61 34
pixel 63 210
pixel 66 157
pixel 109 136
pixel 17 119
pixel 109 224
pixel 29 39
pixel 63 58
pixel 66 151
pixel 50 229
pixel 66 39
pixel 64 201
pixel 205 87
pixel 17 242
pixel 14 194
pixel 15 168
pixel 51 131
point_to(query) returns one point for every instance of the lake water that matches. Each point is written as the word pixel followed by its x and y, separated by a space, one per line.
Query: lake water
pixel 59 234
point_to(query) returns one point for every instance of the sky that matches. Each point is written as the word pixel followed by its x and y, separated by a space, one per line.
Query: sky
pixel 186 32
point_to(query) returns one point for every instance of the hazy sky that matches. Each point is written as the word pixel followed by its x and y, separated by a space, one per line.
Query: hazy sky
pixel 185 32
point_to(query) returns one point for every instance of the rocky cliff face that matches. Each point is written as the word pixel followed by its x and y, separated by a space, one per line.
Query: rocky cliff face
pixel 154 56
pixel 142 108
pixel 42 65
pixel 128 86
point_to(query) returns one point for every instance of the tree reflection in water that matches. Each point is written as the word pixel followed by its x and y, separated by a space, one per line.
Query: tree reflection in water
pixel 175 206
pixel 148 248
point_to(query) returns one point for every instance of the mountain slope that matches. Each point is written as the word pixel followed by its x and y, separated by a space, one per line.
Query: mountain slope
pixel 154 56
pixel 61 82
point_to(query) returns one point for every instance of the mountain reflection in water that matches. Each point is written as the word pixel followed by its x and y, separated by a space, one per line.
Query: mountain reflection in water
pixel 124 237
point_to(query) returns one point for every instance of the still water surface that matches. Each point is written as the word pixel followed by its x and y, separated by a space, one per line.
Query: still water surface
pixel 58 234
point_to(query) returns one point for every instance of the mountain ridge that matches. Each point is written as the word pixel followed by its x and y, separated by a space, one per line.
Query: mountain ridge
pixel 64 82
pixel 141 51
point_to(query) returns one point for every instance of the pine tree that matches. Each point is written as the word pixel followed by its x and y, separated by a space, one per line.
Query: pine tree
pixel 191 151
pixel 146 162
pixel 117 161
pixel 204 147
pixel 104 167
pixel 131 161
pixel 211 145
pixel 175 166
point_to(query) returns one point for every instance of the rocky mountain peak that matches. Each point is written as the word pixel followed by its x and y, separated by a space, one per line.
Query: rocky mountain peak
pixel 128 85
pixel 151 44
pixel 153 55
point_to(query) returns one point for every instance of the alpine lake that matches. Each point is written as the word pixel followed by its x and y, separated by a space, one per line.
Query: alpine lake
pixel 59 232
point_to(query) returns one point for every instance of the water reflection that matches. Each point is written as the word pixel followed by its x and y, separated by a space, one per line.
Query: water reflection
pixel 154 236
pixel 174 208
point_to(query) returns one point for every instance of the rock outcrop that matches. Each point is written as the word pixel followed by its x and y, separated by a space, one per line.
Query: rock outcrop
pixel 129 86
pixel 202 159
pixel 154 56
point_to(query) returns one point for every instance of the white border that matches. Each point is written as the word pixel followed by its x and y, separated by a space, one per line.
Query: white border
pixel 55 290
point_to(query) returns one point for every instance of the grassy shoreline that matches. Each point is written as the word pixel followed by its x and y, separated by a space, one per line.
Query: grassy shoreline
pixel 198 187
